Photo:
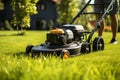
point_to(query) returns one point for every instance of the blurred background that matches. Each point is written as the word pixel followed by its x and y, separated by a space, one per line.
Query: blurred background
pixel 48 14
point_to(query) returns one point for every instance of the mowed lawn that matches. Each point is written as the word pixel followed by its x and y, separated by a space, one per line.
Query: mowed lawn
pixel 14 65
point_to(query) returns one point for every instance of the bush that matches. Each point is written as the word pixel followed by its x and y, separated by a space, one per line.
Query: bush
pixel 67 10
pixel 22 11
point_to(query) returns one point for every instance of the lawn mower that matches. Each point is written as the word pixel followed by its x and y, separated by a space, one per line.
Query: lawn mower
pixel 70 40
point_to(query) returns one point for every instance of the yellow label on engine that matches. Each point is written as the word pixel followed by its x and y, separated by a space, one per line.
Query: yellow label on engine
pixel 57 31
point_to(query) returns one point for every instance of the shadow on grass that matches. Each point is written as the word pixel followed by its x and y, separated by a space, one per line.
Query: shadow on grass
pixel 12 34
pixel 18 54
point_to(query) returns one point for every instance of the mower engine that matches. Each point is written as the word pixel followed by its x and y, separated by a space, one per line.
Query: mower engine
pixel 65 35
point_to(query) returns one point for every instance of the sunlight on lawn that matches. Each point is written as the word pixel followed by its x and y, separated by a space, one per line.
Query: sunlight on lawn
pixel 101 65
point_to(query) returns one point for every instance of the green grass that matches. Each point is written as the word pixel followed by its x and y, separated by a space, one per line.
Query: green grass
pixel 102 65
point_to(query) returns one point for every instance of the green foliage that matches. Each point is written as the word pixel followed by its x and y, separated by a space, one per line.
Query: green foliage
pixel 1 5
pixel 5 25
pixel 8 26
pixel 70 8
pixel 67 10
pixel 83 19
pixel 101 65
pixel 22 11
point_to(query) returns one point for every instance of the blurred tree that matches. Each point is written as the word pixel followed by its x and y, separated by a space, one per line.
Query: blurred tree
pixel 67 10
pixel 84 18
pixel 70 8
pixel 22 11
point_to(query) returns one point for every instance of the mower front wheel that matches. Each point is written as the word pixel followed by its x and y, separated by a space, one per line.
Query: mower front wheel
pixel 28 49
pixel 98 44
pixel 85 48
pixel 65 54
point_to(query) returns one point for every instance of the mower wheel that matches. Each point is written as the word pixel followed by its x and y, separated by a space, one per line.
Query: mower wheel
pixel 85 48
pixel 28 49
pixel 65 54
pixel 98 44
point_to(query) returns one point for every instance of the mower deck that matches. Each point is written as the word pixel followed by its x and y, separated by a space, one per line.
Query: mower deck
pixel 73 48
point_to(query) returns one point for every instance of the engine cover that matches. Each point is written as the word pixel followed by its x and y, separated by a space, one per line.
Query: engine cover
pixel 60 36
pixel 72 27
pixel 77 30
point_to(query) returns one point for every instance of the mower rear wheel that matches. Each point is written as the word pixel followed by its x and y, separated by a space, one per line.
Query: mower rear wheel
pixel 65 54
pixel 28 49
pixel 98 44
pixel 85 48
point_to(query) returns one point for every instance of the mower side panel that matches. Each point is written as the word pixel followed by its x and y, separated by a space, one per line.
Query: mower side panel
pixel 73 48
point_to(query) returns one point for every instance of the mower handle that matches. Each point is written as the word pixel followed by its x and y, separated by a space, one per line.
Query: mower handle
pixel 98 25
pixel 80 12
